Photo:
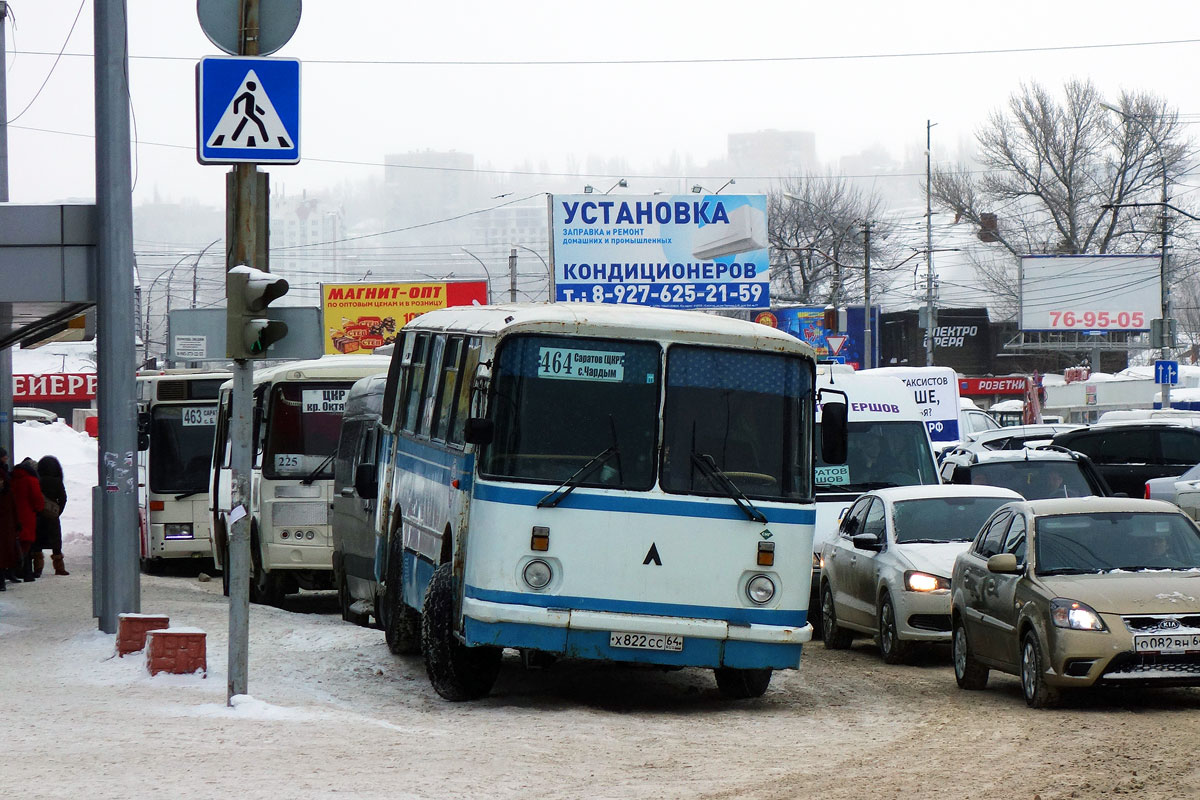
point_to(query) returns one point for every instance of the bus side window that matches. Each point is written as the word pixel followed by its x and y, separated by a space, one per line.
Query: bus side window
pixel 444 410
pixel 414 382
pixel 392 385
pixel 466 377
pixel 437 350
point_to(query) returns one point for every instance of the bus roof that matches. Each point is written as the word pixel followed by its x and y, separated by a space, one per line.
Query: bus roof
pixel 323 368
pixel 151 376
pixel 600 319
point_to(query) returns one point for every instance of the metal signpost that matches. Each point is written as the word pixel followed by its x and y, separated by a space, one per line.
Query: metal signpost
pixel 248 113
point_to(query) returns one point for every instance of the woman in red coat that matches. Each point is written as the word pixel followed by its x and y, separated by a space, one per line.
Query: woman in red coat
pixel 27 492
pixel 10 546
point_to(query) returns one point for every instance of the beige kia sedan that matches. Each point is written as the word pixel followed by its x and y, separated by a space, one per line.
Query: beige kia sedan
pixel 1077 592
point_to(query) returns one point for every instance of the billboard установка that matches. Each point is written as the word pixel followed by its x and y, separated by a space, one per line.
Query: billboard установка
pixel 670 251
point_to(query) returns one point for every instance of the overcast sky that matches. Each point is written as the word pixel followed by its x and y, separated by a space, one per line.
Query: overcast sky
pixel 805 66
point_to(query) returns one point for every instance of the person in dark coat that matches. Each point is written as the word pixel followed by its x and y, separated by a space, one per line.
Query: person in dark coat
pixel 49 528
pixel 10 545
pixel 27 492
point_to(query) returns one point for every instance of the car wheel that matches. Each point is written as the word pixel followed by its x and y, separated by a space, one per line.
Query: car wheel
pixel 834 637
pixel 345 599
pixel 891 646
pixel 266 588
pixel 1033 675
pixel 742 684
pixel 456 671
pixel 968 672
pixel 401 624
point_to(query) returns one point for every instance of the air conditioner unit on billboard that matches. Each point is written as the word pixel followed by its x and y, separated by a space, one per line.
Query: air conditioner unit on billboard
pixel 746 231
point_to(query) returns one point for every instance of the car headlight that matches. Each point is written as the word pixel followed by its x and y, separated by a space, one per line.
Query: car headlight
pixel 924 582
pixel 537 574
pixel 1073 614
pixel 760 589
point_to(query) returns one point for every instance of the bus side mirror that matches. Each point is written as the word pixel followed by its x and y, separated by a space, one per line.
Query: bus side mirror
pixel 833 429
pixel 143 430
pixel 479 431
pixel 365 482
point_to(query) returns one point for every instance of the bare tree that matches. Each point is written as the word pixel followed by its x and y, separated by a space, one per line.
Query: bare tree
pixel 1055 173
pixel 817 243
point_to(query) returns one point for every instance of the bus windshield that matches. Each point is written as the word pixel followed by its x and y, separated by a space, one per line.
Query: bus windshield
pixel 743 410
pixel 303 422
pixel 878 455
pixel 559 402
pixel 181 443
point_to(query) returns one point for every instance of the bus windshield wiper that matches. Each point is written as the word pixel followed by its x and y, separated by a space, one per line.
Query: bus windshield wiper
pixel 566 487
pixel 186 495
pixel 312 476
pixel 718 477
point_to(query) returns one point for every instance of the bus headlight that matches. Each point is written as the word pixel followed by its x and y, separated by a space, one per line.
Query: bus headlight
pixel 537 574
pixel 760 589
pixel 177 530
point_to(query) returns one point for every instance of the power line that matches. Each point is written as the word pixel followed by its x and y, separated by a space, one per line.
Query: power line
pixel 650 61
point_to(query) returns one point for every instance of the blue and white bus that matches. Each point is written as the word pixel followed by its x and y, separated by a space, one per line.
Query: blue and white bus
pixel 596 482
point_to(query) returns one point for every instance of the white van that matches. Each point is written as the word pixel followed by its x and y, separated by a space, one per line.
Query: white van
pixel 887 445
pixel 935 390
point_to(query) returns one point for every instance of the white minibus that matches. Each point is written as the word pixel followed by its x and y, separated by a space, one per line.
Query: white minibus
pixel 176 420
pixel 297 418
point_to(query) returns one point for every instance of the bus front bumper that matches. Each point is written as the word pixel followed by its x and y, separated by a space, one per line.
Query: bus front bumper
pixel 586 634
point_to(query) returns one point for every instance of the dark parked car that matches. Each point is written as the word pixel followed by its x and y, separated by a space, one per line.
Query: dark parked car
pixel 1129 454
pixel 1032 472
pixel 353 516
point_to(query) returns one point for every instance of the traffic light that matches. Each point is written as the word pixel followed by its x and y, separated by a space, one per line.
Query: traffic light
pixel 248 292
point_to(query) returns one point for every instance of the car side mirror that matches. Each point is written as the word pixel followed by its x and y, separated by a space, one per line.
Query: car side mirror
pixel 867 541
pixel 143 430
pixel 365 482
pixel 1004 564
pixel 834 429
pixel 479 430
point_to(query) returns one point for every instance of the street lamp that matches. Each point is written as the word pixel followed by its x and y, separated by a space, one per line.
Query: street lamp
pixel 697 188
pixel 589 188
pixel 488 293
pixel 1162 264
pixel 549 274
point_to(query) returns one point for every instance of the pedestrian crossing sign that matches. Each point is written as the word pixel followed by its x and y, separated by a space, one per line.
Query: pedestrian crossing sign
pixel 248 110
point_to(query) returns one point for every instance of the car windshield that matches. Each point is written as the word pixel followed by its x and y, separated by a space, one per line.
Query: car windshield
pixel 942 519
pixel 181 442
pixel 878 455
pixel 1103 542
pixel 740 412
pixel 567 405
pixel 302 425
pixel 1034 479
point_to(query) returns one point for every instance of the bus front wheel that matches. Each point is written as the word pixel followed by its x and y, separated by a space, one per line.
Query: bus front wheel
pixel 266 587
pixel 741 684
pixel 456 671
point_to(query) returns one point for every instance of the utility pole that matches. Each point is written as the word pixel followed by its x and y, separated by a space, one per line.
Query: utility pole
pixel 930 324
pixel 512 275
pixel 6 379
pixel 868 351
pixel 243 248
pixel 116 546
